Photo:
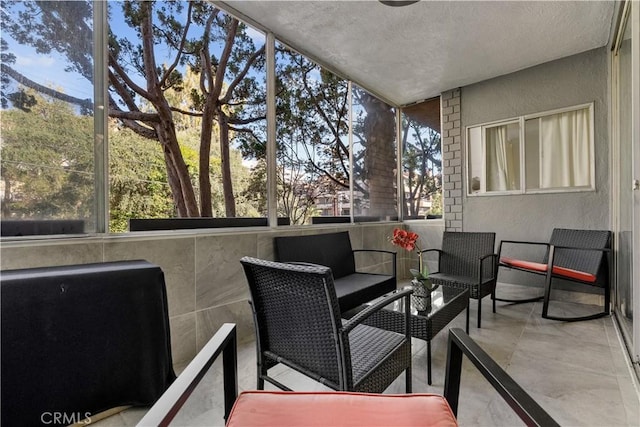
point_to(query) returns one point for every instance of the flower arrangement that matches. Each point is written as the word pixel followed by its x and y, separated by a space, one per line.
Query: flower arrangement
pixel 408 240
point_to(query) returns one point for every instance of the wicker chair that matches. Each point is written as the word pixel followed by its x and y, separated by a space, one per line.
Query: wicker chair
pixel 579 256
pixel 298 323
pixel 467 259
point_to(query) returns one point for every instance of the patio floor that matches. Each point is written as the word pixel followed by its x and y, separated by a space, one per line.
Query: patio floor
pixel 576 371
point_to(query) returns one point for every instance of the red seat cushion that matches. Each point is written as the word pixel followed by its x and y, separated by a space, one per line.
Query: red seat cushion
pixel 338 409
pixel 527 265
pixel 557 271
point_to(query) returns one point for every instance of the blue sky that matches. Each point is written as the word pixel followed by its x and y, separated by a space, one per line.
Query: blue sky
pixel 49 70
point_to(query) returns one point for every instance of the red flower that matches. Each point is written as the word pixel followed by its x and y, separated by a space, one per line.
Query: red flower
pixel 404 239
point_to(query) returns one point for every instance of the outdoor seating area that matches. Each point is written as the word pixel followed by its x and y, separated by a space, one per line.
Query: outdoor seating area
pixel 320 213
pixel 565 367
pixel 391 345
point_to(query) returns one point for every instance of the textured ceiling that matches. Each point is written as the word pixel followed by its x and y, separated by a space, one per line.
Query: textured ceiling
pixel 407 54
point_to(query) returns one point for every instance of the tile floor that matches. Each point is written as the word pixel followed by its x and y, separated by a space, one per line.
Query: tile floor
pixel 576 371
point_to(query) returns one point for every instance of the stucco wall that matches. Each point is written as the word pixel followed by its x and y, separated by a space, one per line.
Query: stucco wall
pixel 570 81
pixel 574 80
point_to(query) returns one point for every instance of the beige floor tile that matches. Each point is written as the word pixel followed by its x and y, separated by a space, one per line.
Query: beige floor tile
pixel 577 371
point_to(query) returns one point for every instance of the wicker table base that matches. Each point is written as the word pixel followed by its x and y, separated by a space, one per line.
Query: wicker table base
pixel 446 303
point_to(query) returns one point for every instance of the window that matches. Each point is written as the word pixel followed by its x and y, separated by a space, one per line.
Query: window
pixel 421 160
pixel 374 158
pixel 184 134
pixel 188 127
pixel 47 146
pixel 312 155
pixel 546 152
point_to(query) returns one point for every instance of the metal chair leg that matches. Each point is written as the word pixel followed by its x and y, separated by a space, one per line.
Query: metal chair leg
pixel 429 362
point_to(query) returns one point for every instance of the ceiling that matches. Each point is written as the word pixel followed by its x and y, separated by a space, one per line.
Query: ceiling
pixel 410 53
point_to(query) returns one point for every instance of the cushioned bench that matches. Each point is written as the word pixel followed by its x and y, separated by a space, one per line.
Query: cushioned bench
pixel 334 250
pixel 78 340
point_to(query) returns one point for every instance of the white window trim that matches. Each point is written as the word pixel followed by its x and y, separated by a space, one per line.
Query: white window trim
pixel 521 121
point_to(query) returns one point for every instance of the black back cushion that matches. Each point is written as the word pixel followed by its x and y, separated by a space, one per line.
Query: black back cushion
pixel 332 250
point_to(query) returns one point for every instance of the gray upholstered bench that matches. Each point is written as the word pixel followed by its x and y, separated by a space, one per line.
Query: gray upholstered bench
pixel 334 250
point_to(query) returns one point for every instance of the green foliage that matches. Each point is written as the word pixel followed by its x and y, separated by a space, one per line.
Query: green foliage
pixel 138 186
pixel 47 161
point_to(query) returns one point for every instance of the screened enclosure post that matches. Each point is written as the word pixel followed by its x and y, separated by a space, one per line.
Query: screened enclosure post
pixel 272 190
pixel 100 117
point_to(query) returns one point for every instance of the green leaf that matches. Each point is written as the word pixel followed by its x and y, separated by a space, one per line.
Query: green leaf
pixel 417 274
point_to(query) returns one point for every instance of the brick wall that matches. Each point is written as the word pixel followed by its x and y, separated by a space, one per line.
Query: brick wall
pixel 452 160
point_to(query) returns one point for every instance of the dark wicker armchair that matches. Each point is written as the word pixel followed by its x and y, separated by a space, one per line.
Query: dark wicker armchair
pixel 467 259
pixel 578 256
pixel 298 324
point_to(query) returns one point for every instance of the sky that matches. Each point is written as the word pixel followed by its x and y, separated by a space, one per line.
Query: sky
pixel 49 69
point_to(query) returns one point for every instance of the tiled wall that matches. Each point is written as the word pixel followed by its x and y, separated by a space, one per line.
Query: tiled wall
pixel 206 286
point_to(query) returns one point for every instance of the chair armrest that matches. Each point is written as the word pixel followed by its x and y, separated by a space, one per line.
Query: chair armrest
pixel 493 265
pixel 375 250
pixel 432 250
pixel 524 242
pixel 460 344
pixel 377 306
pixel 392 253
pixel 169 404
pixel 439 251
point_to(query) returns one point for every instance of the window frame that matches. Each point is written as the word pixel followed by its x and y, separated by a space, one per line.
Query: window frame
pixel 521 120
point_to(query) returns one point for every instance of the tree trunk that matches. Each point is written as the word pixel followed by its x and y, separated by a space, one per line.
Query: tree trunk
pixel 6 204
pixel 205 152
pixel 177 171
pixel 380 156
pixel 227 185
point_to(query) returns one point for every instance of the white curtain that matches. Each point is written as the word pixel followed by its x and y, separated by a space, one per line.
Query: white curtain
pixel 564 149
pixel 501 169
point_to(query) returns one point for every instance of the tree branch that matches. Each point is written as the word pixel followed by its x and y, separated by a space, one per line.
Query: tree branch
pixel 180 48
pixel 186 112
pixel 125 78
pixel 236 121
pixel 135 115
pixel 21 79
pixel 136 127
pixel 123 92
pixel 224 58
pixel 242 74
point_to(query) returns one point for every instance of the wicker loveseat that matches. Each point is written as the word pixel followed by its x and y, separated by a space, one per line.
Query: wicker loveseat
pixel 334 250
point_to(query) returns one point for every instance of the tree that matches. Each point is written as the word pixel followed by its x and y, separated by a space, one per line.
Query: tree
pixel 138 185
pixel 421 167
pixel 215 45
pixel 47 161
pixel 313 127
pixel 378 135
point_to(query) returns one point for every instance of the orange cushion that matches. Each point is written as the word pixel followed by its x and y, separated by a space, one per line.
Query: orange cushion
pixel 574 274
pixel 527 265
pixel 557 271
pixel 334 409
